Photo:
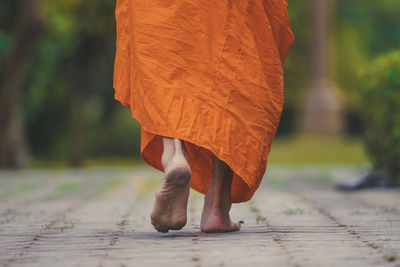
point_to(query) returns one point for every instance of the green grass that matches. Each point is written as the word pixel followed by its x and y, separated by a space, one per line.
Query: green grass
pixel 391 257
pixel 26 188
pixel 65 227
pixel 68 186
pixel 65 187
pixel 297 150
pixel 147 185
pixel 275 182
pixel 293 211
pixel 318 150
pixel 254 209
pixel 98 163
pixel 112 183
pixel 114 163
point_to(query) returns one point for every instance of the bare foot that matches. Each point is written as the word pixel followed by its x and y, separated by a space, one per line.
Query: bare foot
pixel 170 206
pixel 215 222
pixel 217 201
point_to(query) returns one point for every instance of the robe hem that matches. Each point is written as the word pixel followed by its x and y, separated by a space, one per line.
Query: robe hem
pixel 251 187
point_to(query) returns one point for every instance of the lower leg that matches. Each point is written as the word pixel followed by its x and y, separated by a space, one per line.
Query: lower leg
pixel 170 206
pixel 217 201
pixel 172 147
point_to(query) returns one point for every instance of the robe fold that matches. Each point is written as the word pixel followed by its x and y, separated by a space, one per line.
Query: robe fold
pixel 208 72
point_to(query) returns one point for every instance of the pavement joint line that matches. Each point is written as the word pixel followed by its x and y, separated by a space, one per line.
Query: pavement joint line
pixel 354 234
pixel 36 236
pixel 24 203
pixel 196 258
pixel 117 234
pixel 365 203
pixel 275 237
pixel 358 225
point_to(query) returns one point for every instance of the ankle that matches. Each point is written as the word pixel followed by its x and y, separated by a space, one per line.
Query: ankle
pixel 166 158
pixel 217 205
pixel 180 149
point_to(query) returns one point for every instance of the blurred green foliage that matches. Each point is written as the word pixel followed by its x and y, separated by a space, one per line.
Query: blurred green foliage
pixel 380 95
pixel 362 31
pixel 296 78
pixel 68 96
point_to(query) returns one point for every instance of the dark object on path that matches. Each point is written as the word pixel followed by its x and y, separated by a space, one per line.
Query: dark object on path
pixel 371 180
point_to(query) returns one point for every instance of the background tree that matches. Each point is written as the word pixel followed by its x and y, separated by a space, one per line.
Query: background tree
pixel 322 108
pixel 13 70
pixel 65 96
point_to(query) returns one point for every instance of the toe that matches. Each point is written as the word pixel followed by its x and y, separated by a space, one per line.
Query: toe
pixel 161 229
pixel 236 226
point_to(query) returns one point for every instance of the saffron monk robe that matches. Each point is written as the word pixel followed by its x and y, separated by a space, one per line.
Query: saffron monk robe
pixel 205 81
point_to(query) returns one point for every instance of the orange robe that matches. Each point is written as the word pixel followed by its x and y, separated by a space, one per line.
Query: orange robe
pixel 208 72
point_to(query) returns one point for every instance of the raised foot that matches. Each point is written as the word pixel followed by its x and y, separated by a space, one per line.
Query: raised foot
pixel 212 223
pixel 170 206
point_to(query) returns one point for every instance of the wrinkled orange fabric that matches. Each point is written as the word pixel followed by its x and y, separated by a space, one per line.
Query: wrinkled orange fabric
pixel 208 72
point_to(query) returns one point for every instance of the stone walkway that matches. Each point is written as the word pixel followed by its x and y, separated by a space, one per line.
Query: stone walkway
pixel 101 218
